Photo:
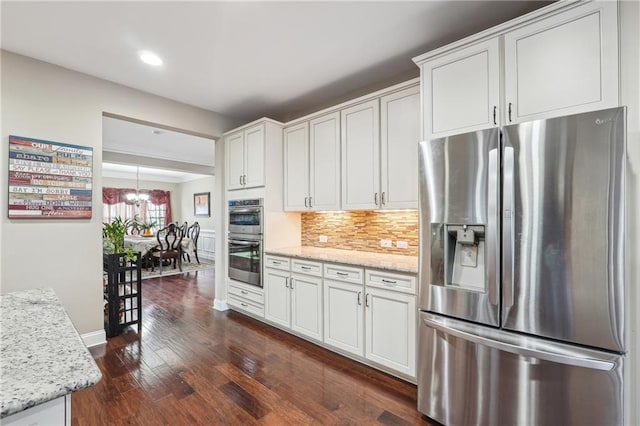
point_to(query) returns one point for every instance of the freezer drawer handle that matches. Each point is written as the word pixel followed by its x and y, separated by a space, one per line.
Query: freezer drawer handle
pixel 534 353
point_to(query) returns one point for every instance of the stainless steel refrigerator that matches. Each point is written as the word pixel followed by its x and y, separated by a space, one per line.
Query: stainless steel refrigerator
pixel 522 273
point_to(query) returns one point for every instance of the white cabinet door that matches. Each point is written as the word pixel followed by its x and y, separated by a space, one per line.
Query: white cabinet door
pixel 235 159
pixel 343 322
pixel 391 330
pixel 399 137
pixel 254 156
pixel 306 305
pixel 296 167
pixel 277 304
pixel 324 159
pixel 361 156
pixel 563 65
pixel 461 90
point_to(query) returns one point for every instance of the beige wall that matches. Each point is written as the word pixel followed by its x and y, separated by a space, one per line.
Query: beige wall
pixel 44 101
pixel 187 189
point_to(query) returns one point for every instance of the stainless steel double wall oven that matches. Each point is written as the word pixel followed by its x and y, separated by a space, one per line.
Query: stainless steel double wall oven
pixel 245 241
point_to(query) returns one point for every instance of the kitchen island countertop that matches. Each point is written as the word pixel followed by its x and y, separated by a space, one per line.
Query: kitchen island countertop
pixel 42 356
pixel 392 262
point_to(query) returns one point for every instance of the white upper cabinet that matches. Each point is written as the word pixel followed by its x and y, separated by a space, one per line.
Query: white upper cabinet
pixel 559 60
pixel 399 137
pixel 324 160
pixel 296 167
pixel 462 90
pixel 245 157
pixel 562 65
pixel 312 164
pixel 361 156
pixel 235 160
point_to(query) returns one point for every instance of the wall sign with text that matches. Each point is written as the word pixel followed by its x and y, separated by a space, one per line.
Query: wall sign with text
pixel 49 179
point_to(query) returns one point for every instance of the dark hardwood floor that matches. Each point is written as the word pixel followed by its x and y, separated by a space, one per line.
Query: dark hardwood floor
pixel 193 365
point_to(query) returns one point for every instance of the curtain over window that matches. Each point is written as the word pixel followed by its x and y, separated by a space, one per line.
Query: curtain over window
pixel 157 209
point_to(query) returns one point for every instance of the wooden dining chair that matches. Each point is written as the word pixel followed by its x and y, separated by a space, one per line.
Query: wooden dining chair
pixel 193 232
pixel 169 246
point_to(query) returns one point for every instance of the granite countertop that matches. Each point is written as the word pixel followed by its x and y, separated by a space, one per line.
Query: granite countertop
pixel 392 262
pixel 42 357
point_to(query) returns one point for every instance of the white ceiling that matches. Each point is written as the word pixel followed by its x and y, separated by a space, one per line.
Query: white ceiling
pixel 150 141
pixel 246 59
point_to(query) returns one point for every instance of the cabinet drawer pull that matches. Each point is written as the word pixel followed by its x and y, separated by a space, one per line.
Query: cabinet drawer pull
pixel 286 282
pixel 342 274
pixel 291 283
pixel 244 305
pixel 509 112
pixel 382 199
pixel 375 198
pixel 310 205
pixel 244 292
pixel 305 201
pixel 366 300
pixel 389 281
pixel 276 262
pixel 359 294
pixel 308 268
pixel 495 112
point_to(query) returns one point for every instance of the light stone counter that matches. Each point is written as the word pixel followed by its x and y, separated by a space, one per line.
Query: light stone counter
pixel 392 262
pixel 42 357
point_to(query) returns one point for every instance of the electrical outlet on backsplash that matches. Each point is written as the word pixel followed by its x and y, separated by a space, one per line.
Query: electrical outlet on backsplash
pixel 363 230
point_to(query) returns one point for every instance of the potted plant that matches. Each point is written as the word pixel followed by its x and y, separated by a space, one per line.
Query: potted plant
pixel 147 228
pixel 113 237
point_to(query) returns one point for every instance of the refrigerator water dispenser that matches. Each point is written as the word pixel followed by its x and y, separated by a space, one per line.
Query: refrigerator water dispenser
pixel 458 256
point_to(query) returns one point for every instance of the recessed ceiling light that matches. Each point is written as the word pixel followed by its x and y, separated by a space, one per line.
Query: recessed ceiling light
pixel 149 58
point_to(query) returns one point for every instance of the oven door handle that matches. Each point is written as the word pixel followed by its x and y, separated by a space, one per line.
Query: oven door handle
pixel 256 210
pixel 244 243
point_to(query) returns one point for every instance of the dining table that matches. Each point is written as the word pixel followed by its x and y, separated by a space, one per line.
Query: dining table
pixel 145 245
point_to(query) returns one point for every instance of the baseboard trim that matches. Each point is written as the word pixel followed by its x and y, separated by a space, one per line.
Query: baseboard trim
pixel 220 305
pixel 94 338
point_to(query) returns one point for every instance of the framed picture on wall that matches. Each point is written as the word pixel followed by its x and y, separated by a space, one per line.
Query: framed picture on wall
pixel 202 204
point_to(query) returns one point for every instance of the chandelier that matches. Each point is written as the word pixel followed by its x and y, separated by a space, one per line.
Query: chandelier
pixel 137 197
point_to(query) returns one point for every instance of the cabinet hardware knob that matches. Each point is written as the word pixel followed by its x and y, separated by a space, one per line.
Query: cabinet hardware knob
pixel 495 112
pixel 286 282
pixel 389 281
pixel 359 294
pixel 306 267
pixel 366 300
pixel 291 283
pixel 375 198
pixel 343 274
pixel 310 205
pixel 305 201
pixel 510 112
pixel 244 305
pixel 382 199
pixel 244 292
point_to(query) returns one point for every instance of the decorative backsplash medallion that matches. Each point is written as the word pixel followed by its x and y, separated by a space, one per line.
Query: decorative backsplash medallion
pixel 362 230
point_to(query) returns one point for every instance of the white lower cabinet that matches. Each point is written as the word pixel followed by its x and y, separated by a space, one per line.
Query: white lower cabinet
pixel 370 314
pixel 306 305
pixel 390 324
pixel 246 298
pixel 343 321
pixel 54 412
pixel 277 297
pixel 294 300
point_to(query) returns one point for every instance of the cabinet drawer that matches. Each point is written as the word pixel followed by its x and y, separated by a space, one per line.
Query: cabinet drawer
pixel 344 273
pixel 391 281
pixel 244 293
pixel 277 262
pixel 306 267
pixel 244 305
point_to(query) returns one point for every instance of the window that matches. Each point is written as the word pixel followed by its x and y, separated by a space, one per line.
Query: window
pixel 157 209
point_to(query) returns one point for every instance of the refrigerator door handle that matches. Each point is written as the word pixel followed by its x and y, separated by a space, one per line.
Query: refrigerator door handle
pixel 493 225
pixel 508 224
pixel 574 360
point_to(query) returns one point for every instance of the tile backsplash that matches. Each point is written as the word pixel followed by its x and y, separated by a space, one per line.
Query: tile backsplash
pixel 362 230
